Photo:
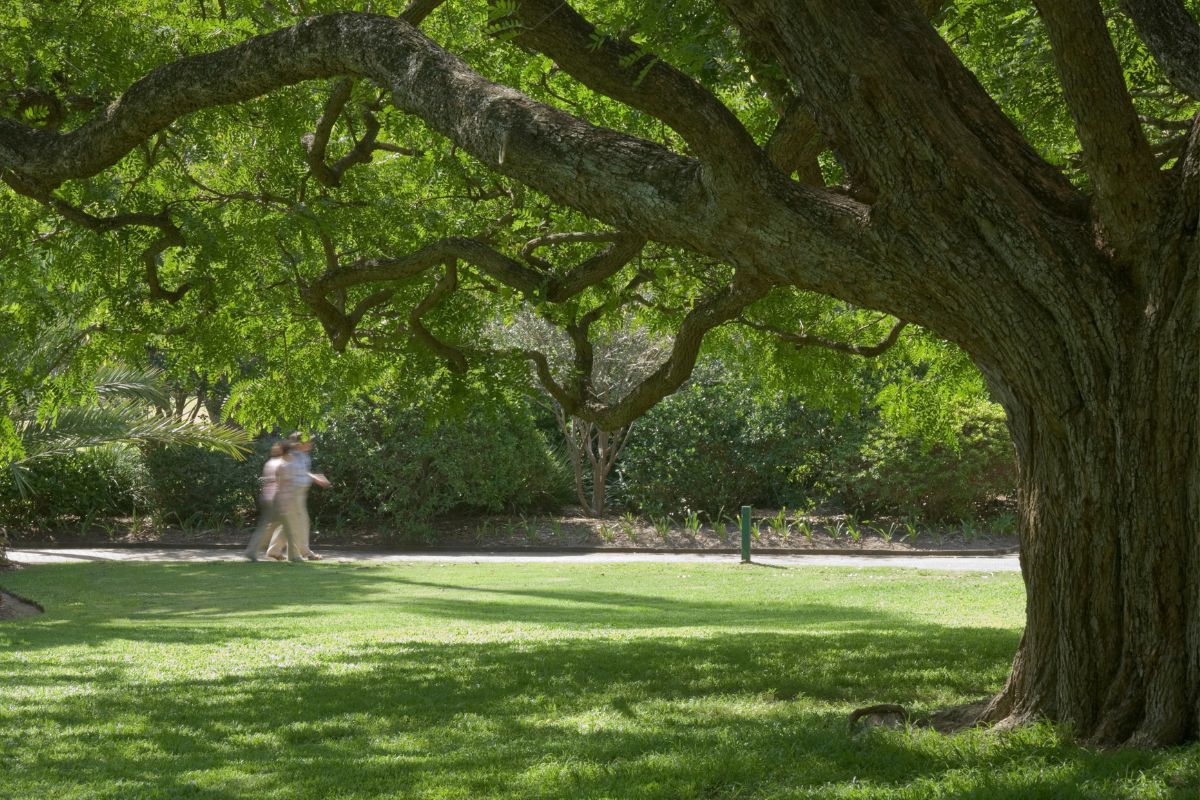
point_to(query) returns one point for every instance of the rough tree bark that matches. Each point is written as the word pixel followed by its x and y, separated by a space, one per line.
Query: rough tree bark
pixel 1082 309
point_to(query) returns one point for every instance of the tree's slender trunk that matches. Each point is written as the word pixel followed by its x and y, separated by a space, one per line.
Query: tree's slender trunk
pixel 593 453
pixel 1110 548
pixel 600 467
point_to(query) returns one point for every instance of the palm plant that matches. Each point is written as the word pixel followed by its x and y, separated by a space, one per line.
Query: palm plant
pixel 126 407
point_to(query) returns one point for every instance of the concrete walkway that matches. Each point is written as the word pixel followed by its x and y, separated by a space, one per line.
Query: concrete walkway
pixel 1006 563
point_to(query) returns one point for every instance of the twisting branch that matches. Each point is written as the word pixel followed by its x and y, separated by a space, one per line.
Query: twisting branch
pixel 579 332
pixel 317 142
pixel 500 267
pixel 710 312
pixel 441 290
pixel 802 339
pixel 593 270
pixel 151 256
pixel 1173 38
pixel 496 265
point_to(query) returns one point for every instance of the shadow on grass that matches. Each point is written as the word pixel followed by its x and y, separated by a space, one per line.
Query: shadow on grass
pixel 655 693
pixel 578 718
pixel 214 603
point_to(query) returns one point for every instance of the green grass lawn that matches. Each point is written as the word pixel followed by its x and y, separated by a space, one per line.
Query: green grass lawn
pixel 329 680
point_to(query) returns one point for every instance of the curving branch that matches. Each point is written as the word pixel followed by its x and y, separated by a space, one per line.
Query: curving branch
pixel 593 270
pixel 317 142
pixel 1173 38
pixel 493 263
pixel 624 71
pixel 170 237
pixel 442 289
pixel 626 182
pixel 508 271
pixel 1118 158
pixel 710 312
pixel 801 339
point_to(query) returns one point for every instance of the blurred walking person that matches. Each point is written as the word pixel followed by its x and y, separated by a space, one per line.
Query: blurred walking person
pixel 296 476
pixel 269 520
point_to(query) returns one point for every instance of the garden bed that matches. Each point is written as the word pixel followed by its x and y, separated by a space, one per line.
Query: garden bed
pixel 770 531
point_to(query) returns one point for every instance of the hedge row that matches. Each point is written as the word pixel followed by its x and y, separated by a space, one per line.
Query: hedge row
pixel 708 448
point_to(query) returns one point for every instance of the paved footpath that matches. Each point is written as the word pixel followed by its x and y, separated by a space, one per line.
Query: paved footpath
pixel 1006 563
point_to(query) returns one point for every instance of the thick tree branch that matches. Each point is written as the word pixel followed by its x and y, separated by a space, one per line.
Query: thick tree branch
pixel 1173 37
pixel 795 145
pixel 629 183
pixel 1118 158
pixel 622 70
pixel 894 102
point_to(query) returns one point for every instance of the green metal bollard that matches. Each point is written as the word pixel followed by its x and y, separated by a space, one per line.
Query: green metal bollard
pixel 745 534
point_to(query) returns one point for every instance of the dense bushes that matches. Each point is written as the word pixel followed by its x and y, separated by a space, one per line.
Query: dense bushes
pixel 107 481
pixel 390 466
pixel 711 448
pixel 963 478
pixel 193 487
pixel 395 467
pixel 707 448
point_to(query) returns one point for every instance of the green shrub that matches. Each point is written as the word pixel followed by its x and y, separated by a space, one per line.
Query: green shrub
pixel 901 473
pixel 390 465
pixel 711 447
pixel 191 486
pixel 101 482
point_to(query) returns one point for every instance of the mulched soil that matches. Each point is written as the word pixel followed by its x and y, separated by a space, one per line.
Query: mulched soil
pixel 15 608
pixel 571 531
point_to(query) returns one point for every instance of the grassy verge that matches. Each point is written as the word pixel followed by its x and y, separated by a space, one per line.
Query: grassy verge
pixel 521 681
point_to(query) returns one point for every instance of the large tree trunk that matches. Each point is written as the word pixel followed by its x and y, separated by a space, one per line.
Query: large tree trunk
pixel 1110 550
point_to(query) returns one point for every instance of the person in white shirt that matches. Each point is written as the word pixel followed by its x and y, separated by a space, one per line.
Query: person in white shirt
pixel 295 476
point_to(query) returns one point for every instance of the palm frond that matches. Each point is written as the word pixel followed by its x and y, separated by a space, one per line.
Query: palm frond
pixel 95 426
pixel 118 381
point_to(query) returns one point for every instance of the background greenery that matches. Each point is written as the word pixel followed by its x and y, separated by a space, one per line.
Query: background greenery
pixel 709 448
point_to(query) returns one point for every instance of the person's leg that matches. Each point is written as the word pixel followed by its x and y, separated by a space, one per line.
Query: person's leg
pixel 303 528
pixel 278 540
pixel 266 523
pixel 291 520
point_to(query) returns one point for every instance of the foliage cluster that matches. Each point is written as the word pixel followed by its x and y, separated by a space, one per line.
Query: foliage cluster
pixel 391 464
pixel 398 467
pixel 714 448
pixel 709 448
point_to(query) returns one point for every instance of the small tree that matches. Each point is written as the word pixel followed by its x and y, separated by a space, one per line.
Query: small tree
pixel 622 357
